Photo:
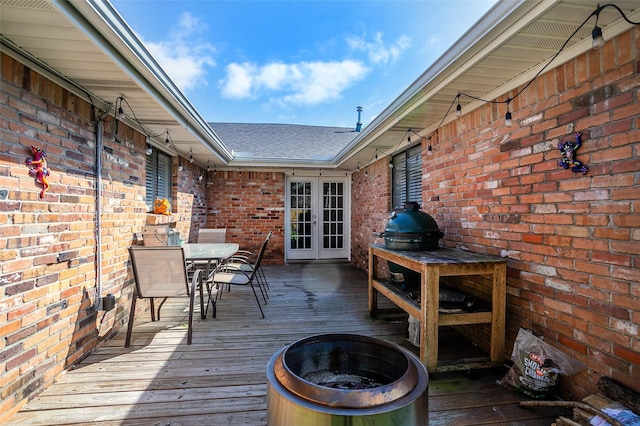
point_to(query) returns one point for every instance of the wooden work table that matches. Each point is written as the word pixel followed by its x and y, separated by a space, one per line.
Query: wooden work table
pixel 432 265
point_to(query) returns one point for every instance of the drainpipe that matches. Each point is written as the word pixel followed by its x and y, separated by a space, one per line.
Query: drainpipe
pixel 100 303
pixel 359 123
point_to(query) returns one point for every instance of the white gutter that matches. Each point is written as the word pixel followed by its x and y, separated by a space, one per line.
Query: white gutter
pixel 98 19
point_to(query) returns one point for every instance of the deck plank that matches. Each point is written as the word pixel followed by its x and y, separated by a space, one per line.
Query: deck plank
pixel 221 378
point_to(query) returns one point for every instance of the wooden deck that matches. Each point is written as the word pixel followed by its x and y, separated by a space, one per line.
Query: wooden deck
pixel 221 378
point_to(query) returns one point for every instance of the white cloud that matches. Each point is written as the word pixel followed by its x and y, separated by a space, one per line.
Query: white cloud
pixel 377 51
pixel 185 60
pixel 304 83
pixel 240 80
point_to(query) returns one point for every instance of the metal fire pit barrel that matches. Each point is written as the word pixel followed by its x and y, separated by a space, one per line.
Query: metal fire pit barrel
pixel 336 379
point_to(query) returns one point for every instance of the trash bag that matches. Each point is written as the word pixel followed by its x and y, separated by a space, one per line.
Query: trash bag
pixel 537 366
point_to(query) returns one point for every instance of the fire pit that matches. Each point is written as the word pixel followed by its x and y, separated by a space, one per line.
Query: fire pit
pixel 320 379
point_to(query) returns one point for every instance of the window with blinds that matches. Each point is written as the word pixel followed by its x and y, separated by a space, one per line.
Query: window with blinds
pixel 407 177
pixel 158 180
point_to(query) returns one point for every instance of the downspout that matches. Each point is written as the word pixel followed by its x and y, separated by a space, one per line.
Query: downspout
pixel 97 300
pixel 107 302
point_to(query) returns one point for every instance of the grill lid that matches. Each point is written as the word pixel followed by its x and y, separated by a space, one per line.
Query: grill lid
pixel 410 221
pixel 411 229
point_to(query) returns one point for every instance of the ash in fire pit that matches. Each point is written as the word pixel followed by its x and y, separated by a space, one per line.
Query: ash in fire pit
pixel 337 380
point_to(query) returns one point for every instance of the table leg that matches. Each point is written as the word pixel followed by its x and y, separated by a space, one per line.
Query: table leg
pixel 429 324
pixel 498 314
pixel 203 312
pixel 373 294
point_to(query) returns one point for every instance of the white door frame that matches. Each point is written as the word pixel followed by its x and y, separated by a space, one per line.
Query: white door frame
pixel 315 218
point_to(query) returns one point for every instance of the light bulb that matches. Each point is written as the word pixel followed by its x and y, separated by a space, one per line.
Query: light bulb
pixel 598 40
pixel 429 150
pixel 120 115
pixel 200 177
pixel 507 119
pixel 458 110
pixel 149 150
pixel 180 167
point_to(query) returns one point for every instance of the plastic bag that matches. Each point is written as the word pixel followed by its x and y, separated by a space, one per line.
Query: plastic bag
pixel 537 366
pixel 162 206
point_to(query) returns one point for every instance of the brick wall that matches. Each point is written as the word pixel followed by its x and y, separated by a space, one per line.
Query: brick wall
pixel 47 246
pixel 573 240
pixel 249 205
pixel 370 207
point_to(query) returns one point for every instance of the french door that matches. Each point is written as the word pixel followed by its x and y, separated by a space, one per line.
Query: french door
pixel 317 220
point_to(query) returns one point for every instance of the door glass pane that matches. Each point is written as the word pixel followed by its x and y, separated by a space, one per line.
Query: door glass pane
pixel 332 202
pixel 300 199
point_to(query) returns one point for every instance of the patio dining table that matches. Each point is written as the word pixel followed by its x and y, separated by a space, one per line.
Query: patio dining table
pixel 212 254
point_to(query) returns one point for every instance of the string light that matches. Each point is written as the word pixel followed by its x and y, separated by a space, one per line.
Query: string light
pixel 507 117
pixel 596 33
pixel 120 112
pixel 598 40
pixel 150 135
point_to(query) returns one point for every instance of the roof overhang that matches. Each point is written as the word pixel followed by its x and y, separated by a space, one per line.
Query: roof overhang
pixel 504 50
pixel 87 47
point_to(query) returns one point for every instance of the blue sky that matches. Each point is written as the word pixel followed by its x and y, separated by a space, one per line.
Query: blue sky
pixel 297 62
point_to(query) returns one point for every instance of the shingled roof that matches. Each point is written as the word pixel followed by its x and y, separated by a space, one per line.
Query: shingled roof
pixel 283 141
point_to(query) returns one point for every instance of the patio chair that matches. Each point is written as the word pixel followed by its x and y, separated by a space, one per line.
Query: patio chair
pixel 229 274
pixel 246 261
pixel 161 272
pixel 209 235
pixel 212 235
